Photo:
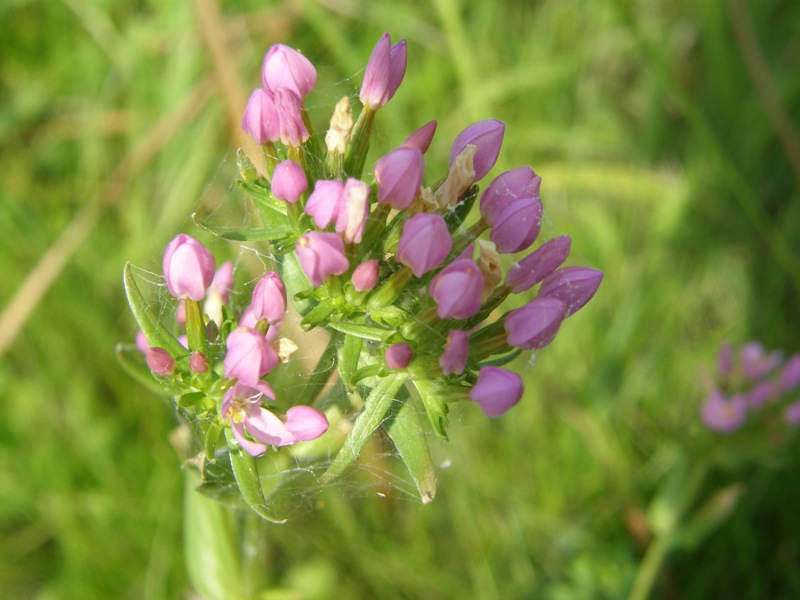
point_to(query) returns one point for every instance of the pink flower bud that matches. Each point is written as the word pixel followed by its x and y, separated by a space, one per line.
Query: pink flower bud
pixel 722 415
pixel 353 210
pixel 538 264
pixel 365 275
pixel 425 243
pixel 188 268
pixel 321 255
pixel 286 68
pixel 456 350
pixel 198 362
pixel 160 361
pixel 535 324
pixel 399 176
pixel 306 423
pixel 141 342
pixel 222 284
pixel 399 355
pixel 385 71
pixel 269 299
pixel 260 120
pixel 487 137
pixel 497 390
pixel 517 226
pixel 289 107
pixel 325 202
pixel 289 181
pixel 574 286
pixel 506 188
pixel 421 139
pixel 249 356
pixel 457 289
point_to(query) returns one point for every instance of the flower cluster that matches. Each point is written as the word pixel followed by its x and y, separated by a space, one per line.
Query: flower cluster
pixel 390 261
pixel 752 383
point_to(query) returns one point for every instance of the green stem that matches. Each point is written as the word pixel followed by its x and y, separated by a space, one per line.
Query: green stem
pixel 254 551
pixel 649 569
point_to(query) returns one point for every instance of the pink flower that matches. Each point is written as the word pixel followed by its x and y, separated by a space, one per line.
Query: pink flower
pixel 198 362
pixel 241 407
pixel 399 176
pixel 425 243
pixel 722 414
pixel 306 423
pixel 141 342
pixel 506 189
pixel 385 70
pixel 353 210
pixel 497 390
pixel 792 413
pixel 325 201
pixel 188 268
pixel 517 226
pixel 321 255
pixel 487 137
pixel 456 350
pixel 756 363
pixel 287 68
pixel 536 324
pixel 289 107
pixel 574 286
pixel 249 356
pixel 289 181
pixel 365 275
pixel 538 264
pixel 457 289
pixel 421 139
pixel 160 361
pixel 789 377
pixel 222 284
pixel 260 119
pixel 269 299
pixel 399 355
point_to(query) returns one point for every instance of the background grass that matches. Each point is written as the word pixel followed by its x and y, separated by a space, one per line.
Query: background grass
pixel 666 135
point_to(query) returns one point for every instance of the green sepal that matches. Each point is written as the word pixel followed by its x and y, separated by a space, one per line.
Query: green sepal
pixel 365 332
pixel 190 400
pixel 295 279
pixel 391 316
pixel 501 360
pixel 409 437
pixel 358 147
pixel 154 332
pixel 371 416
pixel 217 480
pixel 435 407
pixel 317 315
pixel 246 474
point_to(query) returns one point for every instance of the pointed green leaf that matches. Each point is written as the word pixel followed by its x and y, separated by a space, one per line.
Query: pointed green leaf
pixel 349 356
pixel 365 332
pixel 435 407
pixel 275 231
pixel 157 336
pixel 371 416
pixel 246 473
pixel 409 437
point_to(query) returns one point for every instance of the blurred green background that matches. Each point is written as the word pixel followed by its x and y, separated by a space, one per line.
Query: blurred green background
pixel 666 133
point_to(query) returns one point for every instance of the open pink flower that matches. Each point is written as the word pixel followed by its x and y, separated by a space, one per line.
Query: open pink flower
pixel 722 414
pixel 241 407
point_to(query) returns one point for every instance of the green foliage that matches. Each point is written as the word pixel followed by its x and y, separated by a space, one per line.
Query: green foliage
pixel 659 156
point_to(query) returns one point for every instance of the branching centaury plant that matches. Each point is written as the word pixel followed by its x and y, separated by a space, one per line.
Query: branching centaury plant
pixel 409 290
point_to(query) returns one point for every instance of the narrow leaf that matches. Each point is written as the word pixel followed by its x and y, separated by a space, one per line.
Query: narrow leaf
pixel 157 336
pixel 371 416
pixel 246 473
pixel 349 356
pixel 365 332
pixel 276 231
pixel 409 437
pixel 435 407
